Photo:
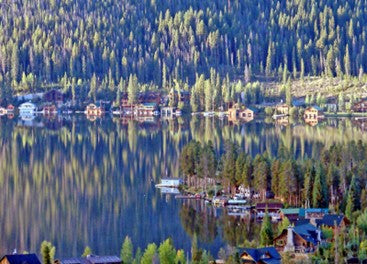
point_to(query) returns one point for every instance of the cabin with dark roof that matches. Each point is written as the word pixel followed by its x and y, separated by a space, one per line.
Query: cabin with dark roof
pixel 273 210
pixel 20 259
pixel 336 222
pixel 260 255
pixel 300 238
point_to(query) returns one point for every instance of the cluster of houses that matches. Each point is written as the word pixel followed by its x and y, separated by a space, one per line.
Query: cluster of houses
pixel 148 104
pixel 304 234
pixel 312 114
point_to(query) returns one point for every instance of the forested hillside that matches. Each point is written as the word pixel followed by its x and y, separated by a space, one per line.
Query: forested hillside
pixel 103 42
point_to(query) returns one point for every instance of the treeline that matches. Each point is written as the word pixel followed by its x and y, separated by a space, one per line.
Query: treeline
pixel 165 253
pixel 80 42
pixel 338 178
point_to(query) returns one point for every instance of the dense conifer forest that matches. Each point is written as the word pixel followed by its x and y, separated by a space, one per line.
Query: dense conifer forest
pixel 100 44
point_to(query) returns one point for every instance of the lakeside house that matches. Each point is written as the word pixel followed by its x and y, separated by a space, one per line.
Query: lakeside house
pixel 20 259
pixel 293 214
pixel 315 213
pixel 312 115
pixel 237 112
pixel 146 97
pixel 94 110
pixel 10 108
pixel 282 109
pixel 334 221
pixel 92 259
pixel 303 237
pixel 360 107
pixel 27 108
pixel 147 109
pixel 49 110
pixel 273 210
pixel 259 255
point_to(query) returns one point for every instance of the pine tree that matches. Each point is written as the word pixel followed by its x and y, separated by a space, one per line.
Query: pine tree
pixel 93 88
pixel 87 251
pixel 288 92
pixel 133 89
pixel 127 251
pixel 149 254
pixel 284 224
pixel 47 252
pixel 167 252
pixel 347 65
pixel 269 58
pixel 15 62
pixel 266 232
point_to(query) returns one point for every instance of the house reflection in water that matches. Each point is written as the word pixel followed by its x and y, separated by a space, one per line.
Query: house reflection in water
pixel 312 115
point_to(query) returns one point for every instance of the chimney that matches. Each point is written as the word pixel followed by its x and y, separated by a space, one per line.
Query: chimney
pixel 289 247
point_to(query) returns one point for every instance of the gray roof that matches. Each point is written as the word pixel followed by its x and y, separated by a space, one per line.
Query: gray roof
pixel 91 259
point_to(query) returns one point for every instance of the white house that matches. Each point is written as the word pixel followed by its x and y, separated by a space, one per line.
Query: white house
pixel 27 109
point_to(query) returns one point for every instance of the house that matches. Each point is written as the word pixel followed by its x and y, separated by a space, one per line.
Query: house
pixel 53 96
pixel 315 213
pixel 260 255
pixel 20 259
pixel 282 109
pixel 233 112
pixel 147 109
pixel 273 210
pixel 313 114
pixel 94 110
pixel 49 109
pixel 360 106
pixel 236 111
pixel 247 114
pixel 91 259
pixel 146 97
pixel 27 109
pixel 302 238
pixel 293 214
pixel 333 220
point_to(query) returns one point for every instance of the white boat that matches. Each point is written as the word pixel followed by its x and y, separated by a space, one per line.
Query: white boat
pixel 208 114
pixel 279 116
pixel 117 112
pixel 236 202
pixel 170 182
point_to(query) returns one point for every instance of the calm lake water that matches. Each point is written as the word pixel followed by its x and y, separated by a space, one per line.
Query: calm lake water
pixel 79 182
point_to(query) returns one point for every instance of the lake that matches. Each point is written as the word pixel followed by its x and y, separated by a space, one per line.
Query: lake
pixel 78 182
